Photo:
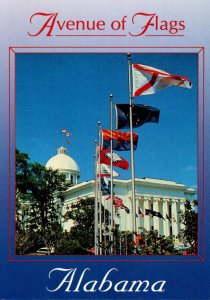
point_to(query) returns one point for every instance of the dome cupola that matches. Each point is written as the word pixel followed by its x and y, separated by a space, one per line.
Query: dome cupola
pixel 65 165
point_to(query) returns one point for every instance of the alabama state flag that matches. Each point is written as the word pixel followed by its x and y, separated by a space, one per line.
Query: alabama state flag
pixel 148 80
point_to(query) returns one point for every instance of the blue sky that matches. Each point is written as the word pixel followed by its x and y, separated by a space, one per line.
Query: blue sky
pixel 71 91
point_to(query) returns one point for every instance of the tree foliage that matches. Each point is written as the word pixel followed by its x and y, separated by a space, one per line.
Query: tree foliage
pixel 82 231
pixel 189 217
pixel 39 197
pixel 82 215
pixel 150 243
pixel 22 172
pixel 69 246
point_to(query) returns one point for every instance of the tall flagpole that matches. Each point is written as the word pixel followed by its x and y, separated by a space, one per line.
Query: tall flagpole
pixel 62 137
pixel 96 197
pixel 104 229
pixel 99 190
pixel 132 151
pixel 111 167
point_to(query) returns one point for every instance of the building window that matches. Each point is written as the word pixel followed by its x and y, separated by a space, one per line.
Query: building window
pixel 72 179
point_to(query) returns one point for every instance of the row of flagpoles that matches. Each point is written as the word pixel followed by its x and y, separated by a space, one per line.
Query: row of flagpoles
pixel 143 80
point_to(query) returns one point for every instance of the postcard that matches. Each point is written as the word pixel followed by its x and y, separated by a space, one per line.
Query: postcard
pixel 104 150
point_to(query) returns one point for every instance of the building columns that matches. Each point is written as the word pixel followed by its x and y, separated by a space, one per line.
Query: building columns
pixel 146 218
pixel 170 210
pixel 174 217
pixel 166 226
pixel 156 220
pixel 182 209
pixel 139 217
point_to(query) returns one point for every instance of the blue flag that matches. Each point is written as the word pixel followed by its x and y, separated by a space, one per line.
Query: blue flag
pixel 141 114
pixel 105 186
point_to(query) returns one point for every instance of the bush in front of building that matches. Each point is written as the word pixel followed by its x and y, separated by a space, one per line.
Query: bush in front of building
pixel 68 246
pixel 150 243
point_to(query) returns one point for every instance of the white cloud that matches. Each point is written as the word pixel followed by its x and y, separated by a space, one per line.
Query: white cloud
pixel 190 168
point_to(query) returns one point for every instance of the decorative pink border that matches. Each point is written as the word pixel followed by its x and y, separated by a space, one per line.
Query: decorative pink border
pixel 13 50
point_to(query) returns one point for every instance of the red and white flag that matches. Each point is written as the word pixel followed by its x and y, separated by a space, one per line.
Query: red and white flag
pixel 67 134
pixel 106 156
pixel 106 171
pixel 148 80
pixel 118 202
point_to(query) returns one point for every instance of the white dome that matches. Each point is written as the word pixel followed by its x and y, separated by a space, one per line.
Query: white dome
pixel 63 162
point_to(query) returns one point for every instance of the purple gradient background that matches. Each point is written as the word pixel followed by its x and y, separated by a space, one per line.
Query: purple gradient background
pixel 19 280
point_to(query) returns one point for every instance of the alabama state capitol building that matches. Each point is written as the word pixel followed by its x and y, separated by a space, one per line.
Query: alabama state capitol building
pixel 164 196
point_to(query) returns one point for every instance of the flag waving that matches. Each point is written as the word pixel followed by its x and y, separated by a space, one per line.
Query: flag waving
pixel 106 157
pixel 106 171
pixel 118 202
pixel 141 114
pixel 105 186
pixel 140 212
pixel 121 141
pixel 150 212
pixel 148 80
pixel 67 134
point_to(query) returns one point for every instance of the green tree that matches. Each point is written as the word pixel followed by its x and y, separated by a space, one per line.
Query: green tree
pixel 27 241
pixel 24 238
pixel 82 214
pixel 69 246
pixel 189 217
pixel 22 172
pixel 40 192
pixel 46 187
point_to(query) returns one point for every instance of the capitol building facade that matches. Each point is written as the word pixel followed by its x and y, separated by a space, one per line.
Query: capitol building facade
pixel 164 197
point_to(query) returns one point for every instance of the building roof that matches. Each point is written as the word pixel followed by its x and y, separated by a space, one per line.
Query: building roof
pixel 143 186
pixel 63 162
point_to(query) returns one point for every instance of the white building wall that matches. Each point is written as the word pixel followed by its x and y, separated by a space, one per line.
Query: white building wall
pixel 166 197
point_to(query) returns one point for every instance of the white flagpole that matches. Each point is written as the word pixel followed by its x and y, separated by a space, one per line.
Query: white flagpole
pixel 132 151
pixel 62 137
pixel 111 167
pixel 96 197
pixel 104 228
pixel 99 190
